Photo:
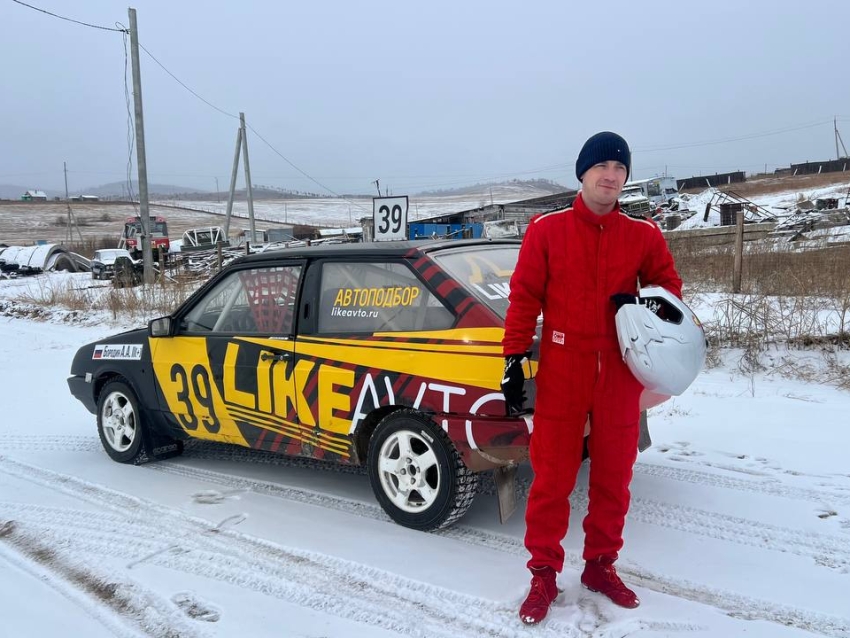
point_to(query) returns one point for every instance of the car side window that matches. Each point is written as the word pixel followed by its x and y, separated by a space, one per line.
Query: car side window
pixel 377 297
pixel 251 301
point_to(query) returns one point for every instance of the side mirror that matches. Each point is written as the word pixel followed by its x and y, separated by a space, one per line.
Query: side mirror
pixel 160 327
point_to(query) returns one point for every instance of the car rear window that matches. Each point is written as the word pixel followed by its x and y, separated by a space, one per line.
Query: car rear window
pixel 483 271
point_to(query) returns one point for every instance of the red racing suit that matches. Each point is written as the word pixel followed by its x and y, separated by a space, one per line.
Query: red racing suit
pixel 570 263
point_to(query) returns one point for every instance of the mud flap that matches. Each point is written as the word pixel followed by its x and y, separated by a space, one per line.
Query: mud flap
pixel 505 479
pixel 158 447
pixel 644 440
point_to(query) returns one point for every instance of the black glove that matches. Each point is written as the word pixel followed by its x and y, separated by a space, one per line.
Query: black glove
pixel 623 298
pixel 513 382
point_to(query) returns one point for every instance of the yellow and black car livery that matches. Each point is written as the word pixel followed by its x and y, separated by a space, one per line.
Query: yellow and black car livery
pixel 386 354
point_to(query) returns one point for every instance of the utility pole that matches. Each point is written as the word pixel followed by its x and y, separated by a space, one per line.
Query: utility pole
pixel 144 209
pixel 837 140
pixel 72 222
pixel 217 192
pixel 241 147
pixel 249 190
pixel 233 173
pixel 835 126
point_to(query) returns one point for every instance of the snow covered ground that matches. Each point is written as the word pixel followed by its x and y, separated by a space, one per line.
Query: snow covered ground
pixel 740 524
pixel 780 204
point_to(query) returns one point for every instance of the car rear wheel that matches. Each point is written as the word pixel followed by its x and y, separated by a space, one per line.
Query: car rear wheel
pixel 417 474
pixel 119 423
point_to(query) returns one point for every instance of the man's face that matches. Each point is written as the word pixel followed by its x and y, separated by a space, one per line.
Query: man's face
pixel 602 184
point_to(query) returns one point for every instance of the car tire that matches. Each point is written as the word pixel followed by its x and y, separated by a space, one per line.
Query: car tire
pixel 417 475
pixel 120 423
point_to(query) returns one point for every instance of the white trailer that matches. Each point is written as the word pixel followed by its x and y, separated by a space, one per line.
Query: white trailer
pixel 658 190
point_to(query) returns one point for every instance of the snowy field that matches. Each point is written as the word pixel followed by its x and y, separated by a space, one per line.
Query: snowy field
pixel 740 523
pixel 342 212
pixel 347 212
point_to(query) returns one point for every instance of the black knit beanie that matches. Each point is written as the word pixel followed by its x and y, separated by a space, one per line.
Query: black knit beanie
pixel 602 147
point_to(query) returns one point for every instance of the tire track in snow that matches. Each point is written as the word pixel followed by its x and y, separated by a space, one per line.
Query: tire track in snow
pixel 50 443
pixel 317 581
pixel 828 550
pixel 21 559
pixel 772 487
pixel 205 450
pixel 825 550
pixel 116 602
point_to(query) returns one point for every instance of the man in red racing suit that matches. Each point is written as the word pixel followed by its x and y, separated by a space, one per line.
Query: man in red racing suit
pixel 572 262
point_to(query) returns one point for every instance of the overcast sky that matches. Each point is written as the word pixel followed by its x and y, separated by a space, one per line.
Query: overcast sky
pixel 420 95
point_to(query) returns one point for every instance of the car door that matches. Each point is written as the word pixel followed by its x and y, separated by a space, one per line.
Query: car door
pixel 352 347
pixel 226 374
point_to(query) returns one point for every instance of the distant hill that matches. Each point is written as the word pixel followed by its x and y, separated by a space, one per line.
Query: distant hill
pixel 259 191
pixel 119 190
pixel 543 186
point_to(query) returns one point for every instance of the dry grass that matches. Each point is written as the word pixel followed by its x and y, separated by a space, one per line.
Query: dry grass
pixel 769 184
pixel 132 304
pixel 790 299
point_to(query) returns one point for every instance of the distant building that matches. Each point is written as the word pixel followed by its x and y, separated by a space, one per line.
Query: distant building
pixel 89 198
pixel 701 182
pixel 31 196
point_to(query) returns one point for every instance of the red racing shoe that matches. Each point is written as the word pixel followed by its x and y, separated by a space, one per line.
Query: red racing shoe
pixel 600 576
pixel 543 593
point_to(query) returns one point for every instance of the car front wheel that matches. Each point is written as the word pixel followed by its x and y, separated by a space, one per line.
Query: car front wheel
pixel 417 474
pixel 119 423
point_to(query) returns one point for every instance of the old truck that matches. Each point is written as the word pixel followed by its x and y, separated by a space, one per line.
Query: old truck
pixel 131 236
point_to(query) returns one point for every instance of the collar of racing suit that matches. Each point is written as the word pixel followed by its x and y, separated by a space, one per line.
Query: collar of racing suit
pixel 586 215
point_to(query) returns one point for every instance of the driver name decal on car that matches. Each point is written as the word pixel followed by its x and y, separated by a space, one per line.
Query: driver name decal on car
pixel 118 351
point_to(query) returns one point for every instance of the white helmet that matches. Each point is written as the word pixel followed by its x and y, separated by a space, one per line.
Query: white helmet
pixel 662 341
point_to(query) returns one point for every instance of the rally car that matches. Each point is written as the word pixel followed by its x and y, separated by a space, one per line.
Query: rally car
pixel 384 354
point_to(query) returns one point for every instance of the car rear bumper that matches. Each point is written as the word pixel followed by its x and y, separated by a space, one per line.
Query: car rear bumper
pixel 83 391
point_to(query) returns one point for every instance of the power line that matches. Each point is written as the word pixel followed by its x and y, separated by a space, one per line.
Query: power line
pixel 56 15
pixel 264 140
pixel 131 131
pixel 211 105
pixel 176 79
pixel 732 139
pixel 285 159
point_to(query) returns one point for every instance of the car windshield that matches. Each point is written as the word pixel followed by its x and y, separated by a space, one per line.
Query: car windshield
pixel 485 272
pixel 634 191
pixel 109 255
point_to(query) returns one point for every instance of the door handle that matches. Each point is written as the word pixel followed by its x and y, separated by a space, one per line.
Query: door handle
pixel 269 356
